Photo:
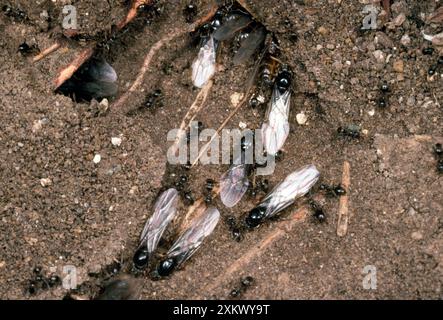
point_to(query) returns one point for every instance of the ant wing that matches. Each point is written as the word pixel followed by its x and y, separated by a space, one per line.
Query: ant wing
pixel 203 67
pixel 100 70
pixel 193 237
pixel 296 185
pixel 233 185
pixel 250 45
pixel 164 211
pixel 275 130
pixel 233 24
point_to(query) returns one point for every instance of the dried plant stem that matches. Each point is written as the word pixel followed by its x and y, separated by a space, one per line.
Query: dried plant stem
pixel 46 52
pixel 67 72
pixel 133 12
pixel 195 108
pixel 222 126
pixel 343 212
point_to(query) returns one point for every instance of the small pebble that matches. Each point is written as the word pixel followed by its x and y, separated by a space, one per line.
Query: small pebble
pixel 45 182
pixel 416 235
pixel 116 141
pixel 322 30
pixel 97 159
pixel 37 125
pixel 301 118
pixel 236 98
pixel 379 56
pixel 399 66
pixel 405 40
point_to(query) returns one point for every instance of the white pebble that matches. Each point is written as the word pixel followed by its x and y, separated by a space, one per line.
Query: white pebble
pixel 301 118
pixel 37 125
pixel 236 98
pixel 405 40
pixel 97 159
pixel 371 112
pixel 116 141
pixel 261 99
pixel 105 103
pixel 45 182
pixel 379 56
pixel 242 125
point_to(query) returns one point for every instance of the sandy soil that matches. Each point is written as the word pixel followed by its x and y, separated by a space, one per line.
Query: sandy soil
pixel 90 215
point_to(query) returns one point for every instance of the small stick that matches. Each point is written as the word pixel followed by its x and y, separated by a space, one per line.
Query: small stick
pixel 46 52
pixel 133 12
pixel 67 72
pixel 195 108
pixel 230 116
pixel 283 227
pixel 146 64
pixel 343 211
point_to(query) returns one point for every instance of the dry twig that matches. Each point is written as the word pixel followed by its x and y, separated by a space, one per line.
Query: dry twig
pixel 196 106
pixel 67 72
pixel 223 125
pixel 47 52
pixel 343 212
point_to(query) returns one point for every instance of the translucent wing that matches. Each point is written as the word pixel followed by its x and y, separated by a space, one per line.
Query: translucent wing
pixel 275 130
pixel 203 67
pixel 296 185
pixel 100 70
pixel 192 238
pixel 164 211
pixel 233 184
pixel 250 45
pixel 233 24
